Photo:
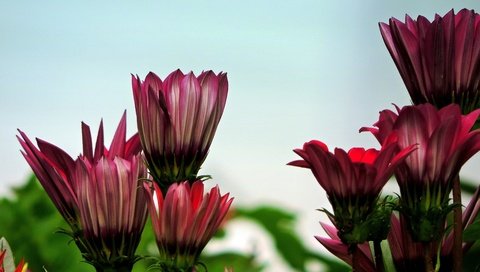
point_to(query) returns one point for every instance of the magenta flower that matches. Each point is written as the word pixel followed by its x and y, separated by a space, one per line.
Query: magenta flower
pixel 341 250
pixel 408 255
pixel 177 119
pixel 353 182
pixel 445 143
pixel 112 209
pixel 185 220
pixel 7 260
pixel 439 61
pixel 97 193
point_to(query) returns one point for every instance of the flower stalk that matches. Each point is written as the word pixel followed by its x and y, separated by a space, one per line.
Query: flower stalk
pixel 457 226
pixel 377 249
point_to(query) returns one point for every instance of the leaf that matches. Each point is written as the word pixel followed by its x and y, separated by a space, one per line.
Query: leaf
pixel 239 262
pixel 30 222
pixel 468 186
pixel 472 233
pixel 280 225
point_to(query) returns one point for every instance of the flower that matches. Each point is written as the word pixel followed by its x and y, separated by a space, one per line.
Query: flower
pixel 341 250
pixel 6 259
pixel 22 266
pixel 112 208
pixel 439 61
pixel 177 119
pixel 97 193
pixel 353 182
pixel 425 178
pixel 408 254
pixel 185 220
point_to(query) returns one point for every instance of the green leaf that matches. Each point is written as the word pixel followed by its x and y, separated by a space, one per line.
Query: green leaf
pixel 468 186
pixel 280 225
pixel 472 233
pixel 238 261
pixel 29 222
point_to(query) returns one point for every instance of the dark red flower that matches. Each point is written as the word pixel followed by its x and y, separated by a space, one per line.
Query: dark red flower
pixel 409 255
pixel 439 61
pixel 444 142
pixel 352 182
pixel 341 250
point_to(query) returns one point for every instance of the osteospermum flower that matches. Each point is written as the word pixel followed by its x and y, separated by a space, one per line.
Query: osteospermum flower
pixel 334 244
pixel 408 255
pixel 177 119
pixel 445 143
pixel 97 193
pixel 6 259
pixel 184 221
pixel 22 266
pixel 353 182
pixel 112 209
pixel 439 61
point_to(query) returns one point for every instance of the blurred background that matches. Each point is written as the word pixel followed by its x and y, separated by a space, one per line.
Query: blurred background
pixel 297 70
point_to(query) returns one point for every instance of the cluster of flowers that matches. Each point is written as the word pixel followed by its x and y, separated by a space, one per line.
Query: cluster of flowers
pixel 106 194
pixel 424 145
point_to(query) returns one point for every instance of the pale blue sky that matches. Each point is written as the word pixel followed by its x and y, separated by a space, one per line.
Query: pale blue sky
pixel 297 70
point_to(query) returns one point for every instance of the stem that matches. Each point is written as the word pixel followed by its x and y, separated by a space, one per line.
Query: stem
pixel 378 256
pixel 428 257
pixel 355 258
pixel 457 225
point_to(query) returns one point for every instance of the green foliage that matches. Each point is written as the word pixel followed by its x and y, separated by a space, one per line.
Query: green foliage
pixel 29 222
pixel 468 186
pixel 472 233
pixel 239 262
pixel 280 225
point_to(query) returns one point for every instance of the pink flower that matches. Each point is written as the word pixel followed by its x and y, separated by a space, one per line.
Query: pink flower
pixel 185 220
pixel 439 61
pixel 352 182
pixel 341 250
pixel 177 119
pixel 409 255
pixel 444 142
pixel 359 172
pixel 112 208
pixel 97 193
pixel 22 266
pixel 6 259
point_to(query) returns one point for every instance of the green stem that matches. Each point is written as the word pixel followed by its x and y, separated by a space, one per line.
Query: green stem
pixel 428 258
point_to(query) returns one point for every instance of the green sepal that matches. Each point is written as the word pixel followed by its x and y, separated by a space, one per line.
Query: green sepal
pixel 358 229
pixel 427 225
